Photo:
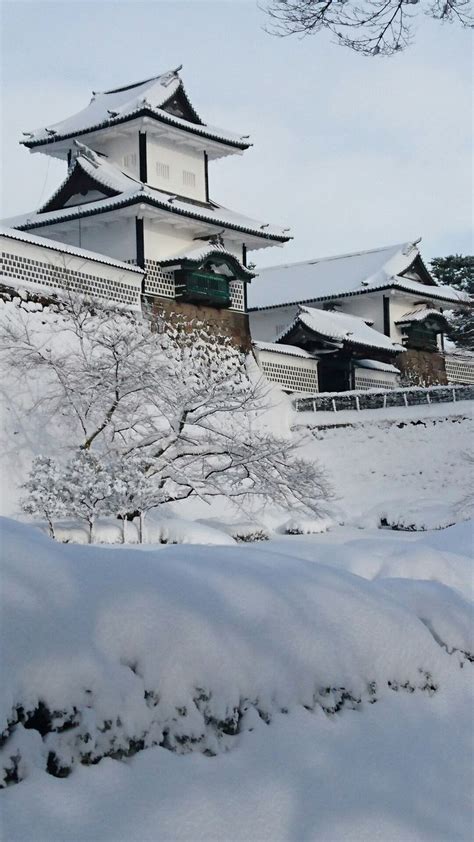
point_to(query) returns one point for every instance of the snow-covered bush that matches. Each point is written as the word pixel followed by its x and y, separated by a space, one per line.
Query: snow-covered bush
pixel 243 531
pixel 106 652
pixel 173 530
pixel 306 525
pixel 42 495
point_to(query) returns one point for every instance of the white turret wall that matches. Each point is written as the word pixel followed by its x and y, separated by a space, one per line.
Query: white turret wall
pixel 117 240
pixel 176 169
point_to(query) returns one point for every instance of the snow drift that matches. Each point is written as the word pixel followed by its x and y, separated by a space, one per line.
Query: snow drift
pixel 109 651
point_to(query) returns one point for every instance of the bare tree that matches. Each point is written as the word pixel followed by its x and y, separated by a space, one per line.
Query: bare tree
pixel 370 27
pixel 177 400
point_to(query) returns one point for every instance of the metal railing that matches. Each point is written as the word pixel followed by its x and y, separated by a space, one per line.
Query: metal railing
pixel 381 399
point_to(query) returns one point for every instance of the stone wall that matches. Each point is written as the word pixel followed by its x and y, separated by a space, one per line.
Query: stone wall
pixel 421 368
pixel 222 322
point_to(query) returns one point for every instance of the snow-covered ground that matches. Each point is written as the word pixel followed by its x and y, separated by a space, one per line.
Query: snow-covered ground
pixel 411 469
pixel 309 687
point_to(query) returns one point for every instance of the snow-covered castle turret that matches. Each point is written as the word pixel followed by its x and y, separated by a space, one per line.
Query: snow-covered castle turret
pixel 137 190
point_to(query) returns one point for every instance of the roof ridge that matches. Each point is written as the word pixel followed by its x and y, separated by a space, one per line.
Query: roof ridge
pixel 334 257
pixel 132 85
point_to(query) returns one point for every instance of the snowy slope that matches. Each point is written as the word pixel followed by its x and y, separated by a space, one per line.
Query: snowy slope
pixel 411 470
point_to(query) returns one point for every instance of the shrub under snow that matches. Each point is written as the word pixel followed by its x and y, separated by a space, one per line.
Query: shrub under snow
pixel 110 651
pixel 306 525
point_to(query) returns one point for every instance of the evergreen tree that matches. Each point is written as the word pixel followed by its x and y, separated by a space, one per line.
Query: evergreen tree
pixel 457 271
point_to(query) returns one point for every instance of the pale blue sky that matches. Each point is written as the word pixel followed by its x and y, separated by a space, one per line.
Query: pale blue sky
pixel 351 152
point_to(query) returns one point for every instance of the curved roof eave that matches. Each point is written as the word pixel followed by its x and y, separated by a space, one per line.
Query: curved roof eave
pixel 201 130
pixel 429 293
pixel 140 197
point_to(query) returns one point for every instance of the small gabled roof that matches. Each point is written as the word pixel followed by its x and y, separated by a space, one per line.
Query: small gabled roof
pixel 161 97
pixel 420 316
pixel 215 251
pixel 123 190
pixel 341 328
pixel 343 275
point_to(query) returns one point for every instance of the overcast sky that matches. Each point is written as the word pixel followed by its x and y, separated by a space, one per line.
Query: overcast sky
pixel 351 152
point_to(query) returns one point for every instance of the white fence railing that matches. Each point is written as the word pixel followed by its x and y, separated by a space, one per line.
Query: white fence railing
pixel 381 399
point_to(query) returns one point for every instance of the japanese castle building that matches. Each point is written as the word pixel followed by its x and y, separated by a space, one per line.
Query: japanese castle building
pixel 137 191
pixel 359 314
pixel 134 223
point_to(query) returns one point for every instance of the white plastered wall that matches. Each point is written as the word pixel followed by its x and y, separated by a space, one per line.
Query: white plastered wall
pixel 176 160
pixel 116 239
pixel 44 267
pixel 122 150
pixel 266 325
pixel 163 241
pixel 293 374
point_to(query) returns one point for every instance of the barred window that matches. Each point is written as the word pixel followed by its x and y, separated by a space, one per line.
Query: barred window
pixel 189 178
pixel 130 161
pixel 162 170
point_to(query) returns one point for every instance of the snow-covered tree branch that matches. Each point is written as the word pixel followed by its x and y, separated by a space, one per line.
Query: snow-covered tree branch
pixel 157 413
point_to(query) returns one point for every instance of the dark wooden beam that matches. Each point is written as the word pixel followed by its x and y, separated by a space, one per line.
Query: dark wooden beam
pixel 386 315
pixel 244 254
pixel 142 159
pixel 206 175
pixel 140 237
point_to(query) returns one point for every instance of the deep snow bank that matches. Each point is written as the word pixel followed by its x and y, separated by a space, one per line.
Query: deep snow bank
pixel 108 651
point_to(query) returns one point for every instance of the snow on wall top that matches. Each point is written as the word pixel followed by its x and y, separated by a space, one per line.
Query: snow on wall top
pixel 54 245
pixel 345 274
pixel 291 350
pixel 130 190
pixel 377 366
pixel 107 108
pixel 341 327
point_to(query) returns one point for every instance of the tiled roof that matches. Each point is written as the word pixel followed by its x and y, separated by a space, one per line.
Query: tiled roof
pixel 203 252
pixel 341 327
pixel 130 191
pixel 419 316
pixel 109 108
pixel 343 275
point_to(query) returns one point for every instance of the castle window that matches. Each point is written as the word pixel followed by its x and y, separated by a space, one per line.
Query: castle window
pixel 130 161
pixel 189 179
pixel 162 170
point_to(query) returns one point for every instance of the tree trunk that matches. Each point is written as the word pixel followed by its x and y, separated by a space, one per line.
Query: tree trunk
pixel 51 529
pixel 91 530
pixel 141 528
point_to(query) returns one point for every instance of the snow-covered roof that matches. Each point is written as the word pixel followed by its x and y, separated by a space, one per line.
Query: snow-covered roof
pixel 130 191
pixel 341 327
pixel 419 316
pixel 54 245
pixel 204 251
pixel 378 366
pixel 291 350
pixel 109 108
pixel 342 275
